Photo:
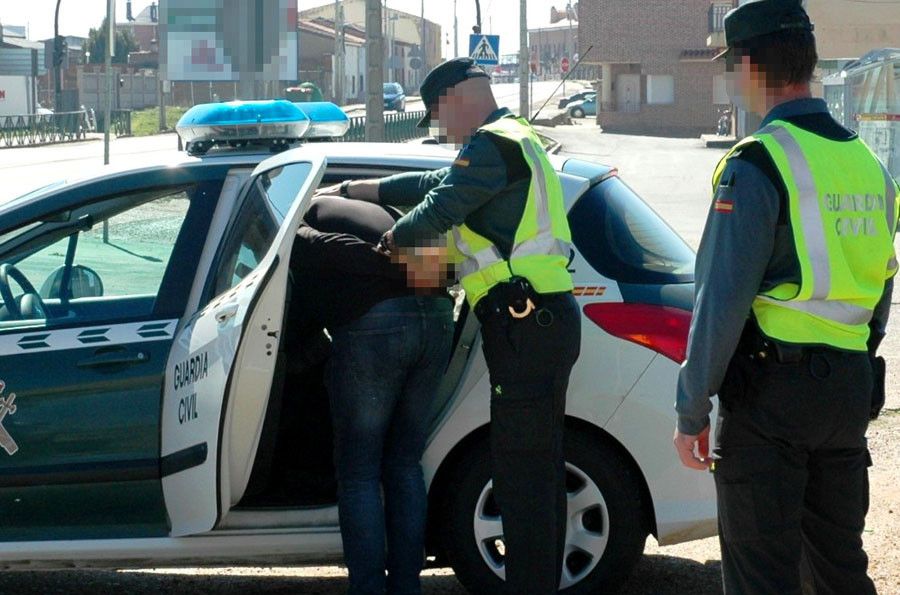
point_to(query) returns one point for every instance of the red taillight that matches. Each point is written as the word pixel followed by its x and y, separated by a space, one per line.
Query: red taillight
pixel 660 328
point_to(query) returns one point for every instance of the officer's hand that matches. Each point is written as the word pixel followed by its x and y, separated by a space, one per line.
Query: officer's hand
pixel 693 450
pixel 334 190
pixel 426 267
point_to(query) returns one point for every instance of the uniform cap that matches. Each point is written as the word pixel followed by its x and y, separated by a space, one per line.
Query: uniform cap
pixel 444 76
pixel 762 17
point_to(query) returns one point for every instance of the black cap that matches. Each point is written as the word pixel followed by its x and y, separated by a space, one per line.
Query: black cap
pixel 762 17
pixel 442 77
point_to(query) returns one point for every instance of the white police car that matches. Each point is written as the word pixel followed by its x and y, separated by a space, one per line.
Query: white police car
pixel 154 411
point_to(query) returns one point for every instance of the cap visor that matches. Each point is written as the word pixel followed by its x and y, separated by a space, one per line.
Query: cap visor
pixel 721 55
pixel 425 122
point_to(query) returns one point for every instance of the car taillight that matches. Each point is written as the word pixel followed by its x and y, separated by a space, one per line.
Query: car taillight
pixel 660 328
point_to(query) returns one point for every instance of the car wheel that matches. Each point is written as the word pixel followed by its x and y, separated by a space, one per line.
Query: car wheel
pixel 402 107
pixel 577 112
pixel 606 526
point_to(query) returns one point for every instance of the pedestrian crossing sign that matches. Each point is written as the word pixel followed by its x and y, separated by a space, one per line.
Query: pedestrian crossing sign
pixel 485 49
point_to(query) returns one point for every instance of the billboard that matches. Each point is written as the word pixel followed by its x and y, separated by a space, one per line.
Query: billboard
pixel 228 40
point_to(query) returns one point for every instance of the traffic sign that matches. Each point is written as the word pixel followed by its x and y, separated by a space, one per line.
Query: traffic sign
pixel 564 65
pixel 485 49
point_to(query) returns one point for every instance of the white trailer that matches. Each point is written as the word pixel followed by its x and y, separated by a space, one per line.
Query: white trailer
pixel 15 95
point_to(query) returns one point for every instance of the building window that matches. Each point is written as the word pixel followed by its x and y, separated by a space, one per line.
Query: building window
pixel 353 84
pixel 660 89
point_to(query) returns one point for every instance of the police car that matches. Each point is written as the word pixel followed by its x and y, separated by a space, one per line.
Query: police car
pixel 153 411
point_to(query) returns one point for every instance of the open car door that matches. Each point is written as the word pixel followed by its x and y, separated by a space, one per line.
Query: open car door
pixel 222 363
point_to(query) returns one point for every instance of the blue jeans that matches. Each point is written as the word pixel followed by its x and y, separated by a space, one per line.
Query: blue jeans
pixel 384 371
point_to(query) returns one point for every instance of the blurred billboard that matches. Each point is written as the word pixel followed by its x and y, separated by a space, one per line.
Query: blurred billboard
pixel 228 40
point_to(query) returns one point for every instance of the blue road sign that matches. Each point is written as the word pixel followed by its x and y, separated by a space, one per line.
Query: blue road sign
pixel 485 49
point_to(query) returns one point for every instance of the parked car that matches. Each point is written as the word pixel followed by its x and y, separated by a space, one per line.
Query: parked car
pixel 394 97
pixel 583 107
pixel 152 412
pixel 576 97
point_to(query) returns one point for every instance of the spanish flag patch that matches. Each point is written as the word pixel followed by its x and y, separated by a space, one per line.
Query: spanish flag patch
pixel 724 206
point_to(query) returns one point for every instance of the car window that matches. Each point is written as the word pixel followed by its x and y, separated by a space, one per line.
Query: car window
pixel 117 257
pixel 625 240
pixel 254 228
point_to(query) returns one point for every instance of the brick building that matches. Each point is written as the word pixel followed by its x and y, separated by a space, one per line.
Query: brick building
pixel 656 74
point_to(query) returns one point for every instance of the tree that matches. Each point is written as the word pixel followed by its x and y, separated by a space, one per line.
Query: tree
pixel 96 44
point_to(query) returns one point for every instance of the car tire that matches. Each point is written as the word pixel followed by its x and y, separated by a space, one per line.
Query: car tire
pixel 402 107
pixel 577 112
pixel 592 466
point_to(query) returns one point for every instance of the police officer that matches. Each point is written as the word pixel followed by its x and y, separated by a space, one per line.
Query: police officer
pixel 792 296
pixel 503 204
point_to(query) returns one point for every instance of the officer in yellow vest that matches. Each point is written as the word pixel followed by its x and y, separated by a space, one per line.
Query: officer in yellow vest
pixel 502 203
pixel 792 297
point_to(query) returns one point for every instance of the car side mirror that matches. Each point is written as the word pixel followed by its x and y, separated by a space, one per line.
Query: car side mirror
pixel 84 283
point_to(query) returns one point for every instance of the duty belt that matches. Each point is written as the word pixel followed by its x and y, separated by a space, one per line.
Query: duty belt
pixel 515 299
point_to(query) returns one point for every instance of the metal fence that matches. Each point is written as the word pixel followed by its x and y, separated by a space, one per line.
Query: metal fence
pixel 398 127
pixel 121 122
pixel 40 129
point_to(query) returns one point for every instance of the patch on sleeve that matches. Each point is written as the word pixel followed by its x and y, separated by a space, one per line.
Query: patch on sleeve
pixel 461 163
pixel 723 202
pixel 724 206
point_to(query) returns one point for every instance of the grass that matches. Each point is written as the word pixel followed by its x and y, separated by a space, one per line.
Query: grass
pixel 146 121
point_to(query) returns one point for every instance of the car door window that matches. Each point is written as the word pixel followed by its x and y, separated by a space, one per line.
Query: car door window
pixel 257 223
pixel 109 262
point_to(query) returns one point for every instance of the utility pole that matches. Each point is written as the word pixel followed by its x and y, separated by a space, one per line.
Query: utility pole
pixel 424 56
pixel 374 73
pixel 110 52
pixel 57 62
pixel 455 32
pixel 524 107
pixel 338 53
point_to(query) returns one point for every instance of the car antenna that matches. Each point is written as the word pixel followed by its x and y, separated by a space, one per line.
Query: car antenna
pixel 565 78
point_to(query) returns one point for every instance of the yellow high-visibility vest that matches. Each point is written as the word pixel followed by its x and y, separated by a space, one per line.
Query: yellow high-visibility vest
pixel 541 247
pixel 842 207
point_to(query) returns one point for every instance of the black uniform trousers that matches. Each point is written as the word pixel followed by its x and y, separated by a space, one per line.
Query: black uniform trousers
pixel 529 361
pixel 792 478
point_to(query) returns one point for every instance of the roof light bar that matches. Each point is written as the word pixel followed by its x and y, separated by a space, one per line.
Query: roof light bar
pixel 326 119
pixel 238 123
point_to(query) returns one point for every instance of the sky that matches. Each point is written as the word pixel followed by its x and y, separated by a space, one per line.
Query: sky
pixel 499 17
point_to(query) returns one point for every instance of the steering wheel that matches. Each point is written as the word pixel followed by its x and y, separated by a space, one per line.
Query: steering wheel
pixel 7 272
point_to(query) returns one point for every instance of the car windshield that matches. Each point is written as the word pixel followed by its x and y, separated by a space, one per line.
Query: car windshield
pixel 392 89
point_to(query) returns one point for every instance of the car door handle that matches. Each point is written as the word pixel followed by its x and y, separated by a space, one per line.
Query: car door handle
pixel 114 358
pixel 226 313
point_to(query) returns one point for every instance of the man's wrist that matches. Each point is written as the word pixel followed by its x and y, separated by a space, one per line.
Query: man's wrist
pixel 345 188
pixel 692 426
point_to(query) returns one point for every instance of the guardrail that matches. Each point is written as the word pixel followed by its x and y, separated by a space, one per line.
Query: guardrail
pixel 398 127
pixel 40 129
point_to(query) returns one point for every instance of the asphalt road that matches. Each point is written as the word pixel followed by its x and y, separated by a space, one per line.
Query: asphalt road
pixel 673 176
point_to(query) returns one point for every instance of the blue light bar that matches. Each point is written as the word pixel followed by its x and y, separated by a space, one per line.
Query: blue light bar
pixel 327 120
pixel 276 122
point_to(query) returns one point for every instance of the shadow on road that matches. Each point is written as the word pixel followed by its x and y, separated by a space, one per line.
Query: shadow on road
pixel 656 575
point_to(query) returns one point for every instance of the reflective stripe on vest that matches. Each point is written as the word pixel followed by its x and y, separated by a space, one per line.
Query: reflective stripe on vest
pixel 540 255
pixel 824 309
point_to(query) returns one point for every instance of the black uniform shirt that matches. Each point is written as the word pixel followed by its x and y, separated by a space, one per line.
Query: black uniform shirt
pixel 338 273
pixel 747 248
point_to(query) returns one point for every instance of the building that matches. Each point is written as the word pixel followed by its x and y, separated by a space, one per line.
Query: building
pixel 406 62
pixel 317 58
pixel 845 31
pixel 656 72
pixel 144 27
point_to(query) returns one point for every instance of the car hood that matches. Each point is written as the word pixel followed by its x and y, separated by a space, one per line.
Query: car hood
pixel 392 96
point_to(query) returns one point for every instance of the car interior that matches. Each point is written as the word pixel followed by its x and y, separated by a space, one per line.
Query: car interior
pixel 294 461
